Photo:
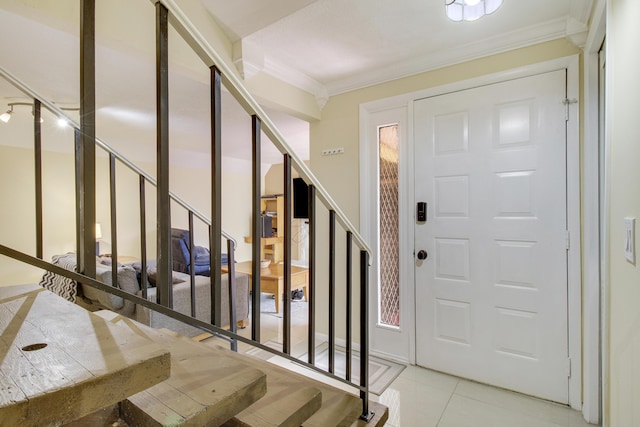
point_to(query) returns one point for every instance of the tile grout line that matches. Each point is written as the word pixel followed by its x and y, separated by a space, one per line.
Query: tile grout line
pixel 448 401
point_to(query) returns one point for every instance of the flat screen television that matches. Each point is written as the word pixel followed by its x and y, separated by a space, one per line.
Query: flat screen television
pixel 300 198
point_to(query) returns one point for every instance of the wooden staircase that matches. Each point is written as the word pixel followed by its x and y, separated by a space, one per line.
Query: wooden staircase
pixel 211 386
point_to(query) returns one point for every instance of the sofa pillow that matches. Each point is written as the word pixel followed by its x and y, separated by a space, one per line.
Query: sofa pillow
pixel 152 272
pixel 127 281
pixel 61 285
pixel 106 260
pixel 202 256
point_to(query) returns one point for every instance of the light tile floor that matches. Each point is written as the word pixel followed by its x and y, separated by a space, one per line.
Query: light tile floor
pixel 423 398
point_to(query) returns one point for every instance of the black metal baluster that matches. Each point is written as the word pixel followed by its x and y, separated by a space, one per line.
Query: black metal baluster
pixel 88 137
pixel 231 270
pixel 143 238
pixel 256 229
pixel 79 163
pixel 332 290
pixel 192 266
pixel 286 300
pixel 212 292
pixel 311 288
pixel 348 306
pixel 215 252
pixel 37 142
pixel 164 273
pixel 364 336
pixel 114 226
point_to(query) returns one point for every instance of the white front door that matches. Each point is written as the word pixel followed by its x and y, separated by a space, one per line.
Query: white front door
pixel 491 296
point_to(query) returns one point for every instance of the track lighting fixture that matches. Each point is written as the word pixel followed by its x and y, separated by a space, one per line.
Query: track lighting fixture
pixel 5 117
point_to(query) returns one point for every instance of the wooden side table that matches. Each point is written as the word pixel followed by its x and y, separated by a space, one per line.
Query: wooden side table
pixel 270 246
pixel 272 279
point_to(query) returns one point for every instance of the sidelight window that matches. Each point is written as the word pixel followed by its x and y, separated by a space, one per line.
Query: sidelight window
pixel 389 283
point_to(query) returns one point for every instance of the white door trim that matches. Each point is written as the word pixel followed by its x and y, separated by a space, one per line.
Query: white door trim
pixel 571 64
pixel 594 307
pixel 386 341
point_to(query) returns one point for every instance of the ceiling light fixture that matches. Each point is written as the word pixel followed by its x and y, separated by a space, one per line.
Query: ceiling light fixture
pixel 470 10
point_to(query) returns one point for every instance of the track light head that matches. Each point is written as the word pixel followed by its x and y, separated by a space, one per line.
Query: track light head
pixel 5 117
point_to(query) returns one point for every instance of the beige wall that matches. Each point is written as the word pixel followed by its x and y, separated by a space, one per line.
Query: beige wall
pixel 623 104
pixel 193 186
pixel 17 212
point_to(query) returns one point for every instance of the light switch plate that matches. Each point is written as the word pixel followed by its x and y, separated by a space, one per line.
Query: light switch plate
pixel 630 239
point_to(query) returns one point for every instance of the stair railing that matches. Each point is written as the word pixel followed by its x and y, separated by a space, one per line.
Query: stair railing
pixel 261 122
pixel 144 178
pixel 168 11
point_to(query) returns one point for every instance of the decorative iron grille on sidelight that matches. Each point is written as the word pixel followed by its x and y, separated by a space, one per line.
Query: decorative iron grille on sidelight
pixel 389 290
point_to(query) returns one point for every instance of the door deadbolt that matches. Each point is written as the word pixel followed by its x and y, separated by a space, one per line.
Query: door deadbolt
pixel 422 255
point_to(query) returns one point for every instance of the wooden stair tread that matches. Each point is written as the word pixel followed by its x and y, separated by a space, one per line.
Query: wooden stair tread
pixel 338 407
pixel 290 399
pixel 198 392
pixel 59 363
pixel 284 405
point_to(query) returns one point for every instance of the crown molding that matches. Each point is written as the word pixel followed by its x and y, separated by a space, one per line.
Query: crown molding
pixel 577 32
pixel 547 31
pixel 249 60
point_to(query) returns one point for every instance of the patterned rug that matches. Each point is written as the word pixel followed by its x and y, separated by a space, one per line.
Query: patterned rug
pixel 381 372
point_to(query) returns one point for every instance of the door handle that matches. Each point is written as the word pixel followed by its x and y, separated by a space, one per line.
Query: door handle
pixel 422 254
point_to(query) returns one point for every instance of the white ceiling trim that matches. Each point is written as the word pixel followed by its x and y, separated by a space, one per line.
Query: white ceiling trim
pixel 249 59
pixel 547 31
